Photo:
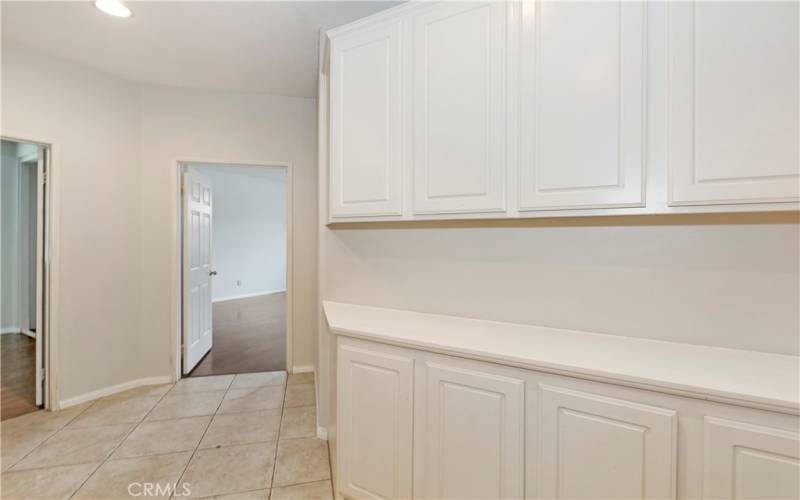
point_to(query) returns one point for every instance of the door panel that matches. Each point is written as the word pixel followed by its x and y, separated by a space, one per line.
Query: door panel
pixel 582 101
pixel 197 311
pixel 459 108
pixel 734 102
pixel 593 446
pixel 365 114
pixel 473 434
pixel 749 461
pixel 375 423
pixel 40 274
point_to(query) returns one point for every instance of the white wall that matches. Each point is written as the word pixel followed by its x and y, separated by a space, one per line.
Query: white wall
pixel 92 120
pixel 203 126
pixel 685 280
pixel 249 229
pixel 9 241
pixel 115 149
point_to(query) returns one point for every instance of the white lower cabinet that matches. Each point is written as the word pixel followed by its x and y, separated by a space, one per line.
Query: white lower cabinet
pixel 472 432
pixel 592 446
pixel 415 424
pixel 743 460
pixel 375 422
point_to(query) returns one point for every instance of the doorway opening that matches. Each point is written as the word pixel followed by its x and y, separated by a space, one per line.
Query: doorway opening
pixel 235 279
pixel 24 256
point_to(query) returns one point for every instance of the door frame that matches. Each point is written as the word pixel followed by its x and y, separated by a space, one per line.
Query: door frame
pixel 180 165
pixel 47 279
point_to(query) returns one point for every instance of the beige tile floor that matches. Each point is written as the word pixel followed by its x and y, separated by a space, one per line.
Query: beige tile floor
pixel 249 436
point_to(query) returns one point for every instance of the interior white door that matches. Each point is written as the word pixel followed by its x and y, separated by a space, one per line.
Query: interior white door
pixel 582 103
pixel 26 173
pixel 197 272
pixel 41 179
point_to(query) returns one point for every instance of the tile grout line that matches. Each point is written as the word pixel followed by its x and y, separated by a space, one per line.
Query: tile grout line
pixel 330 459
pixel 194 452
pixel 48 438
pixel 40 467
pixel 169 392
pixel 278 437
pixel 327 444
pixel 327 447
pixel 302 483
pixel 238 492
pixel 133 428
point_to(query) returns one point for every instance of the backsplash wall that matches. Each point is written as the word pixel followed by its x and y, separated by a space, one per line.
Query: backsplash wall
pixel 729 285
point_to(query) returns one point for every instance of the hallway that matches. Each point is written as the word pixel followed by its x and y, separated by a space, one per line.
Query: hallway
pixel 253 435
pixel 18 377
pixel 249 336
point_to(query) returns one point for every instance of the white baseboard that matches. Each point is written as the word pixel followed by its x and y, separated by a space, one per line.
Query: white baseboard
pixel 114 389
pixel 14 329
pixel 247 295
pixel 303 369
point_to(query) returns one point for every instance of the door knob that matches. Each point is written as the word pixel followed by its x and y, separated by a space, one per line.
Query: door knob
pixel 212 273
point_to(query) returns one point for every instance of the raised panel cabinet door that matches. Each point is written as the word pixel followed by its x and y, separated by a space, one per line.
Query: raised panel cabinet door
pixel 459 129
pixel 592 446
pixel 375 423
pixel 749 461
pixel 734 102
pixel 365 122
pixel 473 434
pixel 582 105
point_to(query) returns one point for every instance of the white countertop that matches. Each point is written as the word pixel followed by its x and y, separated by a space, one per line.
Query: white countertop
pixel 751 378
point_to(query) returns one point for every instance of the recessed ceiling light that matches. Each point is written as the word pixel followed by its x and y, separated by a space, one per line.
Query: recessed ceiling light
pixel 113 8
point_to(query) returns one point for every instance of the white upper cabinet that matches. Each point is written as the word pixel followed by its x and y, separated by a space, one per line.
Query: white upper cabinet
pixel 582 105
pixel 365 122
pixel 523 108
pixel 743 460
pixel 459 108
pixel 734 102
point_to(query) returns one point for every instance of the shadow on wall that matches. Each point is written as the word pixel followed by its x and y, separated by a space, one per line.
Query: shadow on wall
pixel 754 218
